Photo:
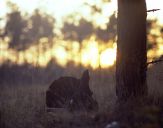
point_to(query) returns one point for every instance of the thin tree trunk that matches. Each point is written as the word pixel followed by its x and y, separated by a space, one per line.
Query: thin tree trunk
pixel 131 50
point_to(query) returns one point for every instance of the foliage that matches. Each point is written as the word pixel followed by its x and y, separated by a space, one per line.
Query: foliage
pixel 41 25
pixel 23 31
pixel 110 32
pixel 85 29
pixel 77 32
pixel 14 28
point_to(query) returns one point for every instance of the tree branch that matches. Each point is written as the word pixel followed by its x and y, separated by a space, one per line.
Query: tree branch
pixel 153 10
pixel 154 61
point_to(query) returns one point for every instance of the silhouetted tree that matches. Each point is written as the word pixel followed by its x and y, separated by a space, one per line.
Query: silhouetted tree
pixel 14 28
pixel 23 31
pixel 77 32
pixel 94 8
pixel 85 29
pixel 110 32
pixel 131 62
pixel 41 25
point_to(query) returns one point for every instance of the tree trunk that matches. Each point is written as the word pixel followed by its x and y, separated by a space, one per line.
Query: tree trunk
pixel 131 50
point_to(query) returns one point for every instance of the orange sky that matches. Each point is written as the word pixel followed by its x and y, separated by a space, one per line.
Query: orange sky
pixel 93 53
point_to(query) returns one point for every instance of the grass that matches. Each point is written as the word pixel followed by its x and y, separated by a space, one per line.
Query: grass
pixel 21 107
pixel 24 106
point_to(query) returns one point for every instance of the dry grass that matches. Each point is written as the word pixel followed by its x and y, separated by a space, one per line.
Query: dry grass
pixel 24 107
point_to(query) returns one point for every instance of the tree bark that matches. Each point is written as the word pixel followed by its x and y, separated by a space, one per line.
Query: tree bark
pixel 131 50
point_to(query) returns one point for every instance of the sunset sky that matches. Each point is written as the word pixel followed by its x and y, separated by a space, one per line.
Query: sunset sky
pixel 91 52
pixel 60 8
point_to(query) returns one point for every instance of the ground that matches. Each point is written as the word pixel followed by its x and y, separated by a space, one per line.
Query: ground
pixel 24 106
